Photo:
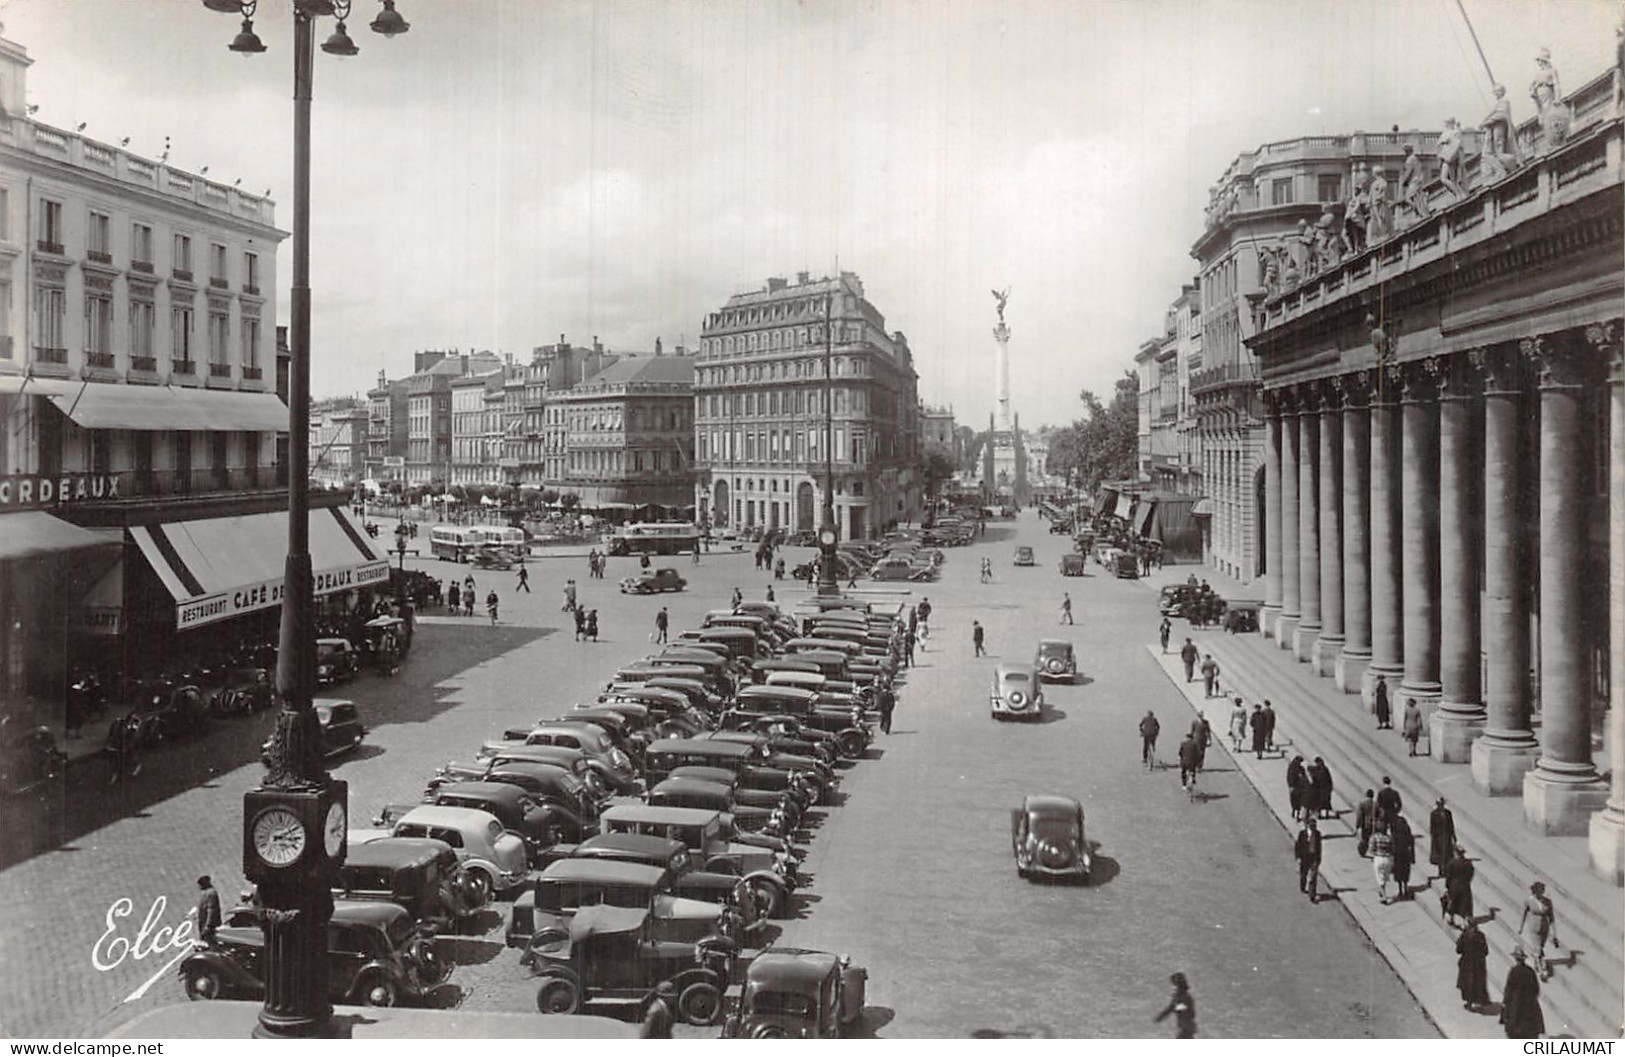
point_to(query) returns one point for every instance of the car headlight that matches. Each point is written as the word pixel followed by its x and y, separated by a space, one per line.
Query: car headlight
pixel 619 758
pixel 1017 698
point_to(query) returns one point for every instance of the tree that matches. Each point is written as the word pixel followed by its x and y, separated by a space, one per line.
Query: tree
pixel 937 466
pixel 1104 444
pixel 569 501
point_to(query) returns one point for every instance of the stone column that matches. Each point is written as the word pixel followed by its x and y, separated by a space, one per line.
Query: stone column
pixel 1387 589
pixel 1461 716
pixel 1291 610
pixel 1419 488
pixel 1271 609
pixel 1507 747
pixel 1563 790
pixel 1356 654
pixel 1309 624
pixel 1608 825
pixel 1330 643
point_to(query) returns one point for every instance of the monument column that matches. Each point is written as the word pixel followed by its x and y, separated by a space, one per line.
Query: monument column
pixel 1507 747
pixel 1419 488
pixel 1461 717
pixel 1563 790
pixel 1271 610
pixel 1330 643
pixel 1287 622
pixel 1387 589
pixel 1356 654
pixel 1309 625
pixel 1608 825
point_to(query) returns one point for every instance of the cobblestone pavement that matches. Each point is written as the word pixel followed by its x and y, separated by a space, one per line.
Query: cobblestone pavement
pixel 912 875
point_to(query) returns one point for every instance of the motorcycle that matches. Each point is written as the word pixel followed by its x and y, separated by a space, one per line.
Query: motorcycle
pixel 247 690
pixel 29 759
pixel 86 698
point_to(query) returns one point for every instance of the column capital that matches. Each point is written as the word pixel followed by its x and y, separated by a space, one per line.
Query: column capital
pixel 1333 391
pixel 1557 360
pixel 1419 380
pixel 1307 398
pixel 1459 377
pixel 1605 339
pixel 1275 402
pixel 1502 367
pixel 1355 388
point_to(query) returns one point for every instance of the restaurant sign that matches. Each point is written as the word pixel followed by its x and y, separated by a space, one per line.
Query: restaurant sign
pixel 32 491
pixel 195 612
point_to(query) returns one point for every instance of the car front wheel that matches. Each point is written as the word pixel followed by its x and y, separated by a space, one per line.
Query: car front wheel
pixel 558 995
pixel 769 898
pixel 378 990
pixel 700 1004
pixel 203 983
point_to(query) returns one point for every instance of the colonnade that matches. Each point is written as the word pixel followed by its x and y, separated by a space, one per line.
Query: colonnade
pixel 1400 537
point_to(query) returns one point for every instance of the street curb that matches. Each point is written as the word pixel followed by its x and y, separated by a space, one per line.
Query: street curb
pixel 1435 996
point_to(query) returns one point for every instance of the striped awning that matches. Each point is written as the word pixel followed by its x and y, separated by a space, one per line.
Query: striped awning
pixel 1202 508
pixel 31 533
pixel 218 568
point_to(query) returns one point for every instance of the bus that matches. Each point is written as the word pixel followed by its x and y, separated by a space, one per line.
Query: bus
pixel 513 539
pixel 655 537
pixel 456 543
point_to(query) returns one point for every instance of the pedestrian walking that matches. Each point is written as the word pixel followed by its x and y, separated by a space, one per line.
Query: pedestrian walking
pixel 1190 760
pixel 491 606
pixel 925 618
pixel 1210 675
pixel 1261 730
pixel 1382 858
pixel 1365 817
pixel 1458 886
pixel 1238 725
pixel 1308 850
pixel 1441 837
pixel 208 910
pixel 1269 725
pixel 1181 1007
pixel 1411 725
pixel 778 569
pixel 1066 607
pixel 1537 925
pixel 581 624
pixel 738 598
pixel 468 590
pixel 1297 787
pixel 1389 803
pixel 1189 655
pixel 769 596
pixel 910 642
pixel 1521 1017
pixel 1320 787
pixel 978 638
pixel 887 699
pixel 1385 715
pixel 524 581
pixel 569 597
pixel 1149 729
pixel 454 597
pixel 1473 967
pixel 696 554
pixel 1404 843
pixel 662 625
pixel 468 600
pixel 1164 631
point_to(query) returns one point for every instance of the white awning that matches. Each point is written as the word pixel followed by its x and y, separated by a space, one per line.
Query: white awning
pixel 31 533
pixel 218 568
pixel 108 405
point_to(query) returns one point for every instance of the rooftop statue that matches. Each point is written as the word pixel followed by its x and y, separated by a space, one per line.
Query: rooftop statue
pixel 1450 157
pixel 1001 297
pixel 1501 152
pixel 1548 96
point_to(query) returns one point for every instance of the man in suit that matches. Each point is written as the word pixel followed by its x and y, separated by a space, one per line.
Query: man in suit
pixel 1308 850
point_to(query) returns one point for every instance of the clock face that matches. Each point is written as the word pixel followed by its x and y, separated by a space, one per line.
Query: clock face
pixel 279 837
pixel 333 832
pixel 827 538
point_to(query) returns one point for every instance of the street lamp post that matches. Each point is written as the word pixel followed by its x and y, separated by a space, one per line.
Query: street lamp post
pixel 828 534
pixel 295 822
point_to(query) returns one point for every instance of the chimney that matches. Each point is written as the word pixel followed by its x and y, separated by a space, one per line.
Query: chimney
pixel 382 380
pixel 775 284
pixel 462 358
pixel 597 346
pixel 657 347
pixel 801 278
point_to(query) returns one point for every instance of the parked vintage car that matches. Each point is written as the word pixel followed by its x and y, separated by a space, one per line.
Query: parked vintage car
pixel 539 825
pixel 610 952
pixel 1017 692
pixel 653 582
pixel 687 880
pixel 611 764
pixel 716 796
pixel 548 784
pixel 336 661
pixel 247 690
pixel 1055 660
pixel 847 723
pixel 376 956
pixel 165 709
pixel 1047 838
pixel 29 759
pixel 493 858
pixel 1024 556
pixel 1073 565
pixel 753 771
pixel 770 874
pixel 493 556
pixel 567 886
pixel 1124 566
pixel 573 760
pixel 421 875
pixel 798 994
pixel 342 729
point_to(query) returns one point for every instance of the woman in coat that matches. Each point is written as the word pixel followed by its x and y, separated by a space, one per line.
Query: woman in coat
pixel 1472 967
pixel 1411 726
pixel 1441 837
pixel 1520 1000
pixel 1404 854
pixel 1458 887
pixel 1238 724
pixel 1320 788
pixel 1297 785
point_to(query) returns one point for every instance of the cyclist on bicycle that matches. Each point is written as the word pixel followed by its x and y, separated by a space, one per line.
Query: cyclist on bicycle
pixel 1149 729
pixel 1190 761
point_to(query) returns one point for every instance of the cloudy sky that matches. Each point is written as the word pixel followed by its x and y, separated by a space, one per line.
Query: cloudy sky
pixel 511 170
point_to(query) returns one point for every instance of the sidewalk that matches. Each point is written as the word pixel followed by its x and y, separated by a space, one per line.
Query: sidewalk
pixel 1584 997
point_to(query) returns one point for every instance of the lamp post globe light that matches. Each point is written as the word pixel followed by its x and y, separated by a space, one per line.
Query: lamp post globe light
pixel 295 822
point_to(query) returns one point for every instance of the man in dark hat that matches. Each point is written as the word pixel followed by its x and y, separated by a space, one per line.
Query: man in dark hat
pixel 1521 1017
pixel 208 910
pixel 1307 850
pixel 1441 836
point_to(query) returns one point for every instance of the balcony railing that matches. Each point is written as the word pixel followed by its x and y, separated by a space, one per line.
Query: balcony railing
pixel 252 289
pixel 219 370
pixel 1242 372
pixel 99 359
pixel 45 354
pixel 183 366
pixel 136 484
pixel 183 274
pixel 46 246
pixel 141 266
pixel 144 363
pixel 253 374
pixel 219 283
